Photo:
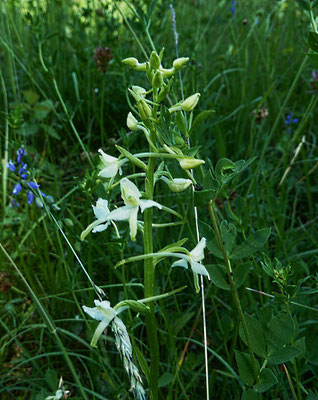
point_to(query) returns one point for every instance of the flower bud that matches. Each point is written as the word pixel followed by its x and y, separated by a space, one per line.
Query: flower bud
pixel 189 103
pixel 144 110
pixel 190 162
pixel 131 62
pixel 179 184
pixel 132 122
pixel 154 61
pixel 140 91
pixel 157 80
pixel 180 62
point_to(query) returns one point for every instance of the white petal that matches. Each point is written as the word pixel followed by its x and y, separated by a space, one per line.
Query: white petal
pixel 133 222
pixel 94 313
pixel 121 213
pixel 197 253
pixel 148 203
pixel 101 227
pixel 101 209
pixel 106 159
pixel 129 192
pixel 199 269
pixel 110 171
pixel 180 263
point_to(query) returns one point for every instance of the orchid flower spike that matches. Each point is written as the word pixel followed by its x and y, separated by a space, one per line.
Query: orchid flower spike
pixel 111 165
pixel 101 212
pixel 194 258
pixel 132 199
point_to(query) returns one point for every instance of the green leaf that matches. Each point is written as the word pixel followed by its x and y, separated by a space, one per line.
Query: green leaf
pixel 279 355
pixel 165 379
pixel 266 380
pixel 30 96
pixel 200 118
pixel 209 182
pixel 256 335
pixel 135 305
pixel 313 41
pixel 249 395
pixel 42 109
pixel 30 129
pixel 51 131
pixel 245 369
pixel 142 362
pixel 281 329
pixel 313 57
pixel 240 166
pixel 222 167
pixel 252 244
pixel 312 396
pixel 52 378
pixel 211 242
pixel 202 197
pixel 304 4
pixel 218 276
pixel 228 232
pixel 240 274
pixel 181 123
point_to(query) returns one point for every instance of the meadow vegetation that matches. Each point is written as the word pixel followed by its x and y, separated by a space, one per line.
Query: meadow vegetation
pixel 137 138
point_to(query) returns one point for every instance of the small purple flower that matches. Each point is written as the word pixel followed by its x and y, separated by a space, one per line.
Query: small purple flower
pixel 17 188
pixel 33 185
pixel 289 120
pixel 30 197
pixel 20 154
pixel 14 203
pixel 315 75
pixel 11 166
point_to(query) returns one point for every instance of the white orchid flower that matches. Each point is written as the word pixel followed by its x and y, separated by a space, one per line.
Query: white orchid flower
pixel 132 199
pixel 194 258
pixel 104 313
pixel 112 165
pixel 101 212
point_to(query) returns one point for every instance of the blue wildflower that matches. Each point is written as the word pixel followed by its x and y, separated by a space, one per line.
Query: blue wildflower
pixel 30 196
pixel 20 154
pixel 233 7
pixel 11 166
pixel 289 120
pixel 17 189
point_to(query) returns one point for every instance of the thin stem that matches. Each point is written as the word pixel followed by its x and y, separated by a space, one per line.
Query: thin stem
pixel 233 290
pixel 149 281
pixel 6 147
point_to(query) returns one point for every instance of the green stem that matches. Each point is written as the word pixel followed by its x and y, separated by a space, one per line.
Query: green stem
pixel 233 290
pixel 149 281
pixel 6 148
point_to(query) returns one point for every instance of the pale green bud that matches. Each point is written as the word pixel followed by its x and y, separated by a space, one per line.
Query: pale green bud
pixel 179 184
pixel 157 80
pixel 140 91
pixel 132 123
pixel 131 62
pixel 190 162
pixel 144 110
pixel 154 61
pixel 180 62
pixel 189 103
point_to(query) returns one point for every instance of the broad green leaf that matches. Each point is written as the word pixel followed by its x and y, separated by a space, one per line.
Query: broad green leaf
pixel 239 167
pixel 252 244
pixel 52 378
pixel 279 355
pixel 281 329
pixel 218 276
pixel 202 197
pixel 240 273
pixel 223 166
pixel 249 395
pixel 181 123
pixel 51 131
pixel 256 335
pixel 245 369
pixel 313 41
pixel 42 109
pixel 30 96
pixel 200 118
pixel 211 242
pixel 228 232
pixel 165 379
pixel 313 57
pixel 30 129
pixel 209 182
pixel 266 380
